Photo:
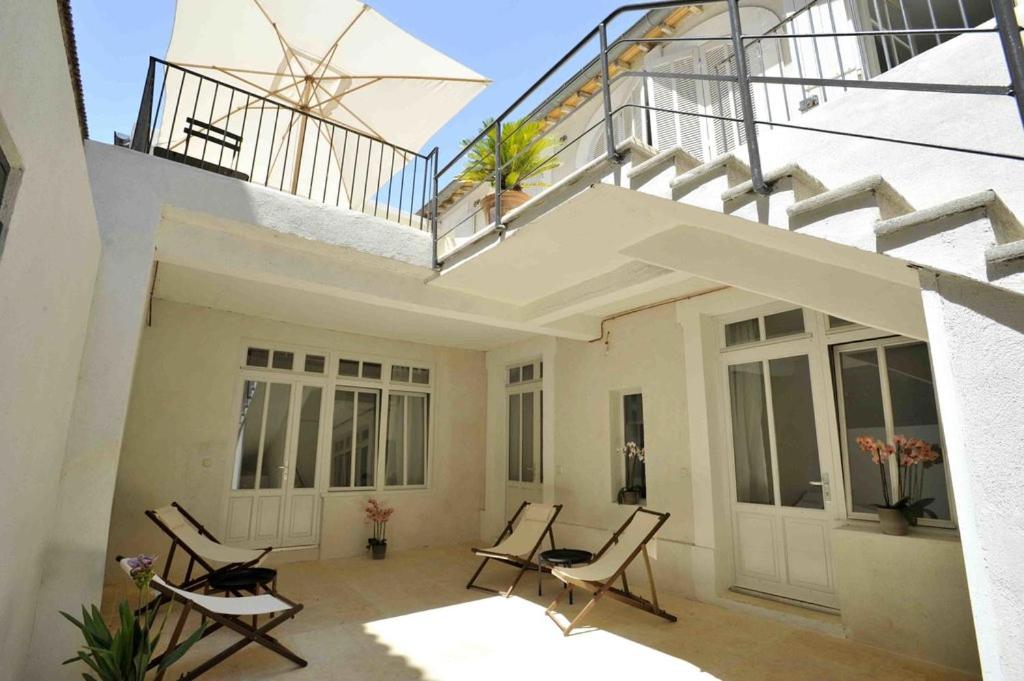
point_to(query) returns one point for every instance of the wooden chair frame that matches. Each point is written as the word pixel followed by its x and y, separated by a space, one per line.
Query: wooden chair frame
pixel 249 632
pixel 599 589
pixel 515 561
pixel 190 583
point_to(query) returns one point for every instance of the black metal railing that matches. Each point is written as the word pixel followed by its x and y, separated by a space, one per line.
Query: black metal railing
pixel 793 62
pixel 193 119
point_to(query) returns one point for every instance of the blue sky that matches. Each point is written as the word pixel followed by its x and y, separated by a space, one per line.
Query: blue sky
pixel 510 41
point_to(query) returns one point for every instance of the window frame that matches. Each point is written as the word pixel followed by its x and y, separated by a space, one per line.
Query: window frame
pixel 534 386
pixel 880 344
pixel 330 381
pixel 760 313
pixel 622 395
pixel 428 435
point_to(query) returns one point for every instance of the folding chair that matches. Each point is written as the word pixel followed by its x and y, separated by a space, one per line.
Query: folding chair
pixel 224 612
pixel 202 548
pixel 610 564
pixel 518 544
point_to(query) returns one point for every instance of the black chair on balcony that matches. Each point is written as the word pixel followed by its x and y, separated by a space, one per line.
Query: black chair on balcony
pixel 201 134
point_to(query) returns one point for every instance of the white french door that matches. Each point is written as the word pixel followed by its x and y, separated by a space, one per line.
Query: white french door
pixel 781 472
pixel 525 449
pixel 273 499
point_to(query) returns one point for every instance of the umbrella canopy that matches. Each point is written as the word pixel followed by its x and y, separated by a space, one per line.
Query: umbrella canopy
pixel 336 60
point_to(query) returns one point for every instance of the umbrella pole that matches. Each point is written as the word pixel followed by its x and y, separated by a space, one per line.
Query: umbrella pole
pixel 298 154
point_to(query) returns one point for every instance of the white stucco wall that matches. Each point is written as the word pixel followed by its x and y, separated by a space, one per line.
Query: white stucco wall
pixel 47 270
pixel 977 355
pixel 179 437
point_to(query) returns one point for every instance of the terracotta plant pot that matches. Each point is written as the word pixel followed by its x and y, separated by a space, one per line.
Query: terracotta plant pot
pixel 378 550
pixel 892 521
pixel 510 198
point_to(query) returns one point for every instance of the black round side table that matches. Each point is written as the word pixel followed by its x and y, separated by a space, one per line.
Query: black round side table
pixel 244 579
pixel 562 558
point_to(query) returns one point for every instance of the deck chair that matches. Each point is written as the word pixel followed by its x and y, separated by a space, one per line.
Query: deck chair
pixel 610 565
pixel 201 546
pixel 224 612
pixel 518 544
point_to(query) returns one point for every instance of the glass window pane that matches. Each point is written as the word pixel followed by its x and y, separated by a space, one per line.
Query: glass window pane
pixel 796 442
pixel 527 372
pixel 784 323
pixel 315 364
pixel 348 367
pixel 400 374
pixel 247 449
pixel 371 370
pixel 284 360
pixel 257 357
pixel 915 415
pixel 751 450
pixel 513 374
pixel 864 416
pixel 527 438
pixel 309 437
pixel 421 376
pixel 513 437
pixel 275 436
pixel 416 454
pixel 633 431
pixel 342 436
pixel 746 331
pixel 838 322
pixel 366 438
pixel 394 454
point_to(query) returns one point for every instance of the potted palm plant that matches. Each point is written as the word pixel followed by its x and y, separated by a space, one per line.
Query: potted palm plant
pixel 525 154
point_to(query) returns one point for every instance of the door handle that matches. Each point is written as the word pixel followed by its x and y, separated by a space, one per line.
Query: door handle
pixel 826 490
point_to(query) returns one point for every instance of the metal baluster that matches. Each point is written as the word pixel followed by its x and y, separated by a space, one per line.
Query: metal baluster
pixel 195 107
pixel 287 146
pixel 606 87
pixel 885 47
pixel 963 13
pixel 209 132
pixel 227 126
pixel 174 118
pixel 839 50
pixel 391 182
pixel 316 148
pixel 434 209
pixel 499 184
pixel 330 151
pixel 906 25
pixel 1013 49
pixel 142 121
pixel 935 24
pixel 355 173
pixel 245 119
pixel 376 191
pixel 753 150
pixel 341 171
pixel 782 72
pixel 817 55
pixel 412 189
pixel 270 154
pixel 256 147
pixel 427 172
pixel 366 174
pixel 401 185
pixel 156 114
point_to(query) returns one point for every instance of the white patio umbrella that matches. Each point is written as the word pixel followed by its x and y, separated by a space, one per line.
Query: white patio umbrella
pixel 337 60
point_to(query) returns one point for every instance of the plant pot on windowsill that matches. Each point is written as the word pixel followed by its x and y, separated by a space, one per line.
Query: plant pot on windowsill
pixel 629 497
pixel 378 548
pixel 892 521
pixel 510 199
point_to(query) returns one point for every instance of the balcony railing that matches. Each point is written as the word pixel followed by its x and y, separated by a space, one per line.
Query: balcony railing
pixel 786 69
pixel 199 121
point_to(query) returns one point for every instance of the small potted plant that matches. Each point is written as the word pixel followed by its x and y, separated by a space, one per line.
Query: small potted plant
pixel 913 458
pixel 126 653
pixel 633 491
pixel 525 153
pixel 378 514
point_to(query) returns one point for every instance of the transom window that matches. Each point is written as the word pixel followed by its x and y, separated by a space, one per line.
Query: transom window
pixel 766 327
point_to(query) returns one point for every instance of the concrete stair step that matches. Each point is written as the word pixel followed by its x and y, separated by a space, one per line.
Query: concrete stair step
pixel 703 184
pixel 789 184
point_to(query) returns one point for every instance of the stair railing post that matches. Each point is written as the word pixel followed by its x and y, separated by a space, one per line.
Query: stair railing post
pixel 746 101
pixel 434 208
pixel 498 175
pixel 1013 48
pixel 606 96
pixel 140 135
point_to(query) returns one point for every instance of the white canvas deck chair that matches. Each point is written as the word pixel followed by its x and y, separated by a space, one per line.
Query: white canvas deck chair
pixel 201 546
pixel 610 564
pixel 224 612
pixel 518 544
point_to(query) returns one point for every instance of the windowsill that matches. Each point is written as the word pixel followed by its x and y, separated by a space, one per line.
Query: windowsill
pixel 372 490
pixel 919 532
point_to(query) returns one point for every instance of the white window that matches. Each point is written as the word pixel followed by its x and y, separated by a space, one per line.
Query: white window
pixel 406 456
pixel 884 389
pixel 763 328
pixel 635 468
pixel 525 424
pixel 353 452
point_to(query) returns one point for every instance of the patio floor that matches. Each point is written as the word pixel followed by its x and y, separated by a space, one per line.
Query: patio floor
pixel 411 618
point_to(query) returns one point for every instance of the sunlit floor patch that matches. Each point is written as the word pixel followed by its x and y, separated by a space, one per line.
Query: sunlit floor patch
pixel 500 638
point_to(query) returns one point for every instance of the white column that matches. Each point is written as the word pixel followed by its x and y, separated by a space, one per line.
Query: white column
pixel 976 335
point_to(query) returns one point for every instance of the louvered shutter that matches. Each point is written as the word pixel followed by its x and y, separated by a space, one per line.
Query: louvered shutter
pixel 724 100
pixel 669 95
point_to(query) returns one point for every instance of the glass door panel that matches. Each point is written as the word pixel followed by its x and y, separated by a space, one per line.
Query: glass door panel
pixel 527 422
pixel 275 434
pixel 342 438
pixel 751 448
pixel 309 436
pixel 354 437
pixel 514 433
pixel 250 430
pixel 366 438
pixel 796 437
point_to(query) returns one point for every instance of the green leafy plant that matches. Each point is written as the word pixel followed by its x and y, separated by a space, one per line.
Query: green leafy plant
pixel 525 153
pixel 125 654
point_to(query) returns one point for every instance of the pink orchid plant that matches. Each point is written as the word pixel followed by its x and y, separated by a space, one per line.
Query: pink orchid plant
pixel 378 513
pixel 913 458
